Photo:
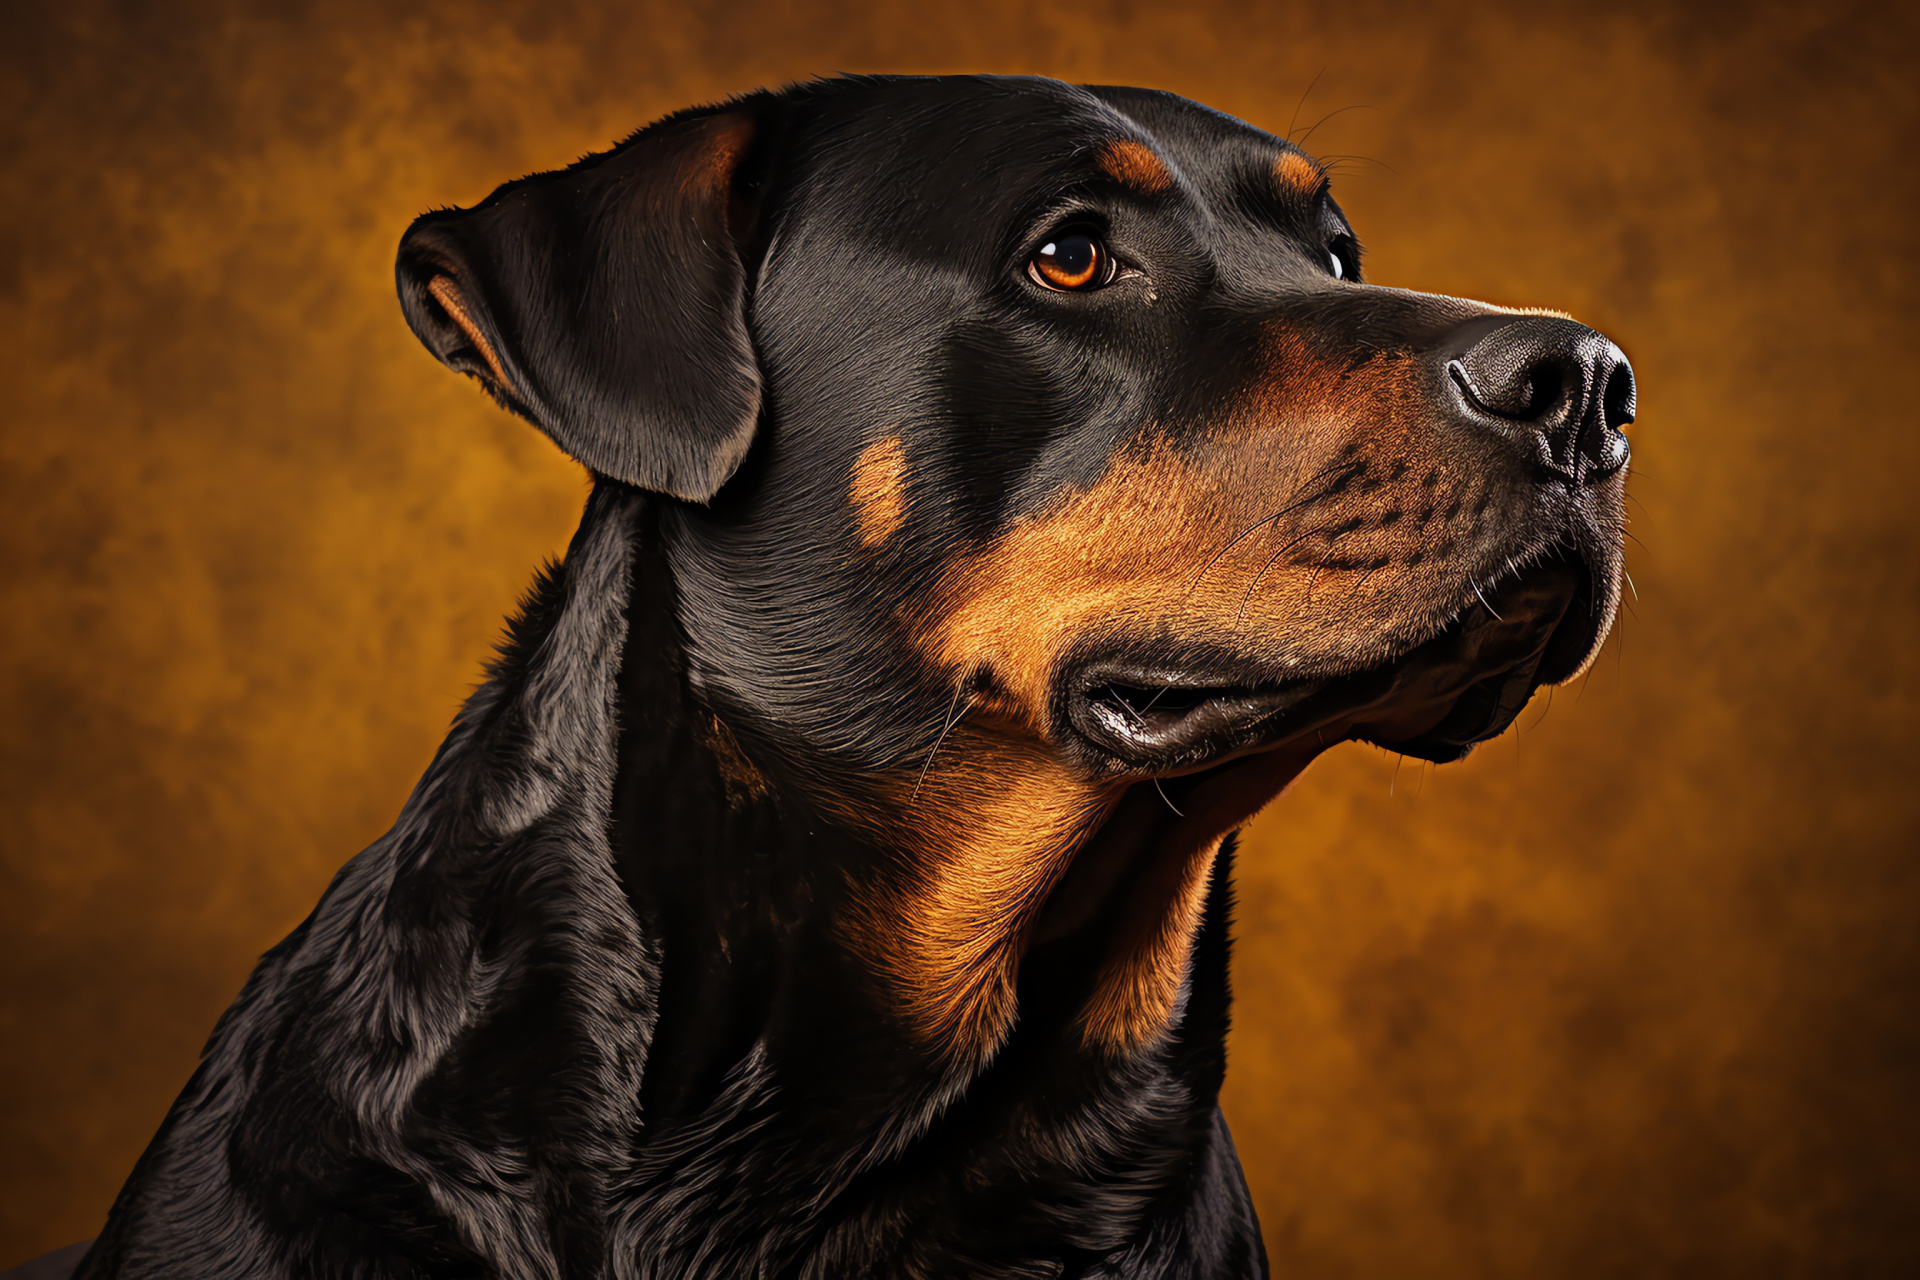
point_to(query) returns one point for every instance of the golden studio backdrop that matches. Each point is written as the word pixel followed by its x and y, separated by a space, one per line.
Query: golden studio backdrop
pixel 1631 992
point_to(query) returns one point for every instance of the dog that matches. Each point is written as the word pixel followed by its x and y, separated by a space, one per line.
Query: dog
pixel 1003 490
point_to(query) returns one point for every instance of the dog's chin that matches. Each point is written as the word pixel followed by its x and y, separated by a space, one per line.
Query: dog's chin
pixel 1436 701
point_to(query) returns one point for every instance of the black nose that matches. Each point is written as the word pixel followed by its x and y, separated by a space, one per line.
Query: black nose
pixel 1570 386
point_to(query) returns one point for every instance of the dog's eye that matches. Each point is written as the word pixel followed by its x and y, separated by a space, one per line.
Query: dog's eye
pixel 1342 257
pixel 1073 262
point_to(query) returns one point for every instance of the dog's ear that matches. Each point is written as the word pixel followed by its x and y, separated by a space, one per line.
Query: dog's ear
pixel 605 302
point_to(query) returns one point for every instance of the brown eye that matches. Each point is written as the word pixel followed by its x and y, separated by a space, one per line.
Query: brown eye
pixel 1075 261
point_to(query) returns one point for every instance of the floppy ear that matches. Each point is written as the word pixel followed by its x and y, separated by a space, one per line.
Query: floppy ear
pixel 605 303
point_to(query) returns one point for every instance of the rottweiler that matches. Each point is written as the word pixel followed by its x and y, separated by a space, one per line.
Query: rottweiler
pixel 1002 490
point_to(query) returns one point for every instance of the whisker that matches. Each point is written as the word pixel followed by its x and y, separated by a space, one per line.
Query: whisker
pixel 1334 162
pixel 1356 586
pixel 1483 600
pixel 1541 718
pixel 1587 679
pixel 1323 564
pixel 1163 795
pixel 1304 95
pixel 1358 106
pixel 1293 504
pixel 1268 565
pixel 955 714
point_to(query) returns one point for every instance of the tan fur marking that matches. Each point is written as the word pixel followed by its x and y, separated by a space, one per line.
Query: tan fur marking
pixel 447 294
pixel 1134 996
pixel 1134 164
pixel 1298 176
pixel 1198 540
pixel 878 490
pixel 1150 550
pixel 744 783
pixel 1137 993
pixel 992 831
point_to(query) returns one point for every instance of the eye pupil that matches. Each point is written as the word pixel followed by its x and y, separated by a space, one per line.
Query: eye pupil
pixel 1070 262
pixel 1072 255
pixel 1339 267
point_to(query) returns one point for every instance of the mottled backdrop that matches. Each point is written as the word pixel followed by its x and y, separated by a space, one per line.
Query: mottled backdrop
pixel 1630 993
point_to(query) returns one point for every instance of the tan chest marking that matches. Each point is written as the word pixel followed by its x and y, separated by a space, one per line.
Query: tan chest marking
pixel 987 833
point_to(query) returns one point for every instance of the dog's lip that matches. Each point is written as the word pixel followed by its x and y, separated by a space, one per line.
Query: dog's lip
pixel 1541 627
pixel 1161 718
pixel 1434 701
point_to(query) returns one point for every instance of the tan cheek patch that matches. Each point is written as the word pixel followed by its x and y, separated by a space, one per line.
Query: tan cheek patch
pixel 1105 557
pixel 1230 539
pixel 878 490
pixel 1134 164
pixel 1169 541
pixel 1130 554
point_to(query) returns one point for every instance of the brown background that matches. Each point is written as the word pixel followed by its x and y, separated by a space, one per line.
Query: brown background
pixel 1630 993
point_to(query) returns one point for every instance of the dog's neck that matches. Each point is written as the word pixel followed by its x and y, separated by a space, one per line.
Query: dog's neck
pixel 584 1002
pixel 729 873
pixel 737 876
pixel 742 879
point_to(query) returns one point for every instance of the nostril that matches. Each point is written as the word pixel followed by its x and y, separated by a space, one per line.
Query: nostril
pixel 1522 393
pixel 1562 390
pixel 1514 374
pixel 1546 387
pixel 1618 402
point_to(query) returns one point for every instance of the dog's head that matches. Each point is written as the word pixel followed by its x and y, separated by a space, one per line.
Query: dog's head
pixel 1031 445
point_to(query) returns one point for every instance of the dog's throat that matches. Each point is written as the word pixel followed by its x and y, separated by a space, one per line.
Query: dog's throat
pixel 1136 891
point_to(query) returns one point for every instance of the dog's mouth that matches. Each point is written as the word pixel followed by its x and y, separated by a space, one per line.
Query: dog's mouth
pixel 1435 702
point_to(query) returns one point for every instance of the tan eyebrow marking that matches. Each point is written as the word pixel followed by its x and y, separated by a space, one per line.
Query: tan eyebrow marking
pixel 1297 175
pixel 878 490
pixel 1134 164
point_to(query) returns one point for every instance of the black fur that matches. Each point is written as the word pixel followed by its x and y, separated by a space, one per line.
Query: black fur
pixel 586 1011
pixel 613 296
